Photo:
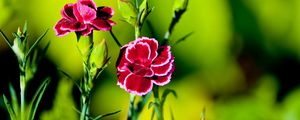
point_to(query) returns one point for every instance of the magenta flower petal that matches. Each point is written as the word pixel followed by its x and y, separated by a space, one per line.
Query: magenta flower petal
pixel 163 70
pixel 67 12
pixel 140 53
pixel 121 77
pixel 87 31
pixel 122 62
pixel 153 45
pixel 57 27
pixel 89 3
pixel 144 63
pixel 111 23
pixel 72 26
pixel 84 17
pixel 105 12
pixel 162 80
pixel 137 84
pixel 101 24
pixel 84 13
pixel 163 57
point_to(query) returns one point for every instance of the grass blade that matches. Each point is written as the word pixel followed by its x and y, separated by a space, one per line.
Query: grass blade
pixel 36 42
pixel 37 97
pixel 6 39
pixel 108 114
pixel 9 108
pixel 14 99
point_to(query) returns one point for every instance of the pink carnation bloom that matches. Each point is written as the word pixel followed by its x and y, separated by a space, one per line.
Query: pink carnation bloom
pixel 141 63
pixel 84 17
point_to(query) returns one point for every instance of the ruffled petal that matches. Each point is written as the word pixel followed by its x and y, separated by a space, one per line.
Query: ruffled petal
pixel 137 85
pixel 84 13
pixel 89 3
pixel 121 77
pixel 163 70
pixel 67 12
pixel 105 13
pixel 139 53
pixel 140 69
pixel 164 56
pixel 153 45
pixel 122 63
pixel 87 31
pixel 101 24
pixel 57 27
pixel 162 80
pixel 72 26
pixel 111 23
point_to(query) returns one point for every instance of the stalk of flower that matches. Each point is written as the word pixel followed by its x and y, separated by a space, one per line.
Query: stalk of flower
pixel 143 62
pixel 27 59
pixel 82 18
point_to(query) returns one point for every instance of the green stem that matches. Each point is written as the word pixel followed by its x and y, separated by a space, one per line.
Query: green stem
pixel 132 115
pixel 22 88
pixel 115 38
pixel 137 31
pixel 157 106
pixel 84 107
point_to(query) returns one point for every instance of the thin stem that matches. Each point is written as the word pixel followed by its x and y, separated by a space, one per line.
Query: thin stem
pixel 131 112
pixel 115 38
pixel 22 88
pixel 22 92
pixel 84 108
pixel 157 107
pixel 137 31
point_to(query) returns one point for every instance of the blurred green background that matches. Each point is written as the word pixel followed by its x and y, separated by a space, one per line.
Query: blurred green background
pixel 241 63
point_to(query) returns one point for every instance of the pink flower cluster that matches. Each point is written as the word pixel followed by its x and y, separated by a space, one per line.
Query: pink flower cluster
pixel 141 63
pixel 84 17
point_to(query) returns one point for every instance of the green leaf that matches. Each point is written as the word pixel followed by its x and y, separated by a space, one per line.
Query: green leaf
pixel 5 38
pixel 128 11
pixel 9 108
pixel 105 115
pixel 15 104
pixel 166 93
pixel 37 98
pixel 146 99
pixel 35 43
pixel 25 28
pixel 143 5
pixel 183 38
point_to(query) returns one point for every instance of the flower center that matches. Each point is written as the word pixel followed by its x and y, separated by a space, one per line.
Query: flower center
pixel 139 69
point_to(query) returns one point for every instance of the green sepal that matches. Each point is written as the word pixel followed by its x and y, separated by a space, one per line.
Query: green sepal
pixel 98 56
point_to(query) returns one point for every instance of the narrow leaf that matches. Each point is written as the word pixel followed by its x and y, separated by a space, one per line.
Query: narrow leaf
pixel 25 27
pixel 35 43
pixel 70 77
pixel 166 93
pixel 5 38
pixel 183 38
pixel 37 98
pixel 14 98
pixel 9 108
pixel 105 115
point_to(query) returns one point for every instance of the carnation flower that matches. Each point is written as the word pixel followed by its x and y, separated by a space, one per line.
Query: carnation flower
pixel 141 63
pixel 84 17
